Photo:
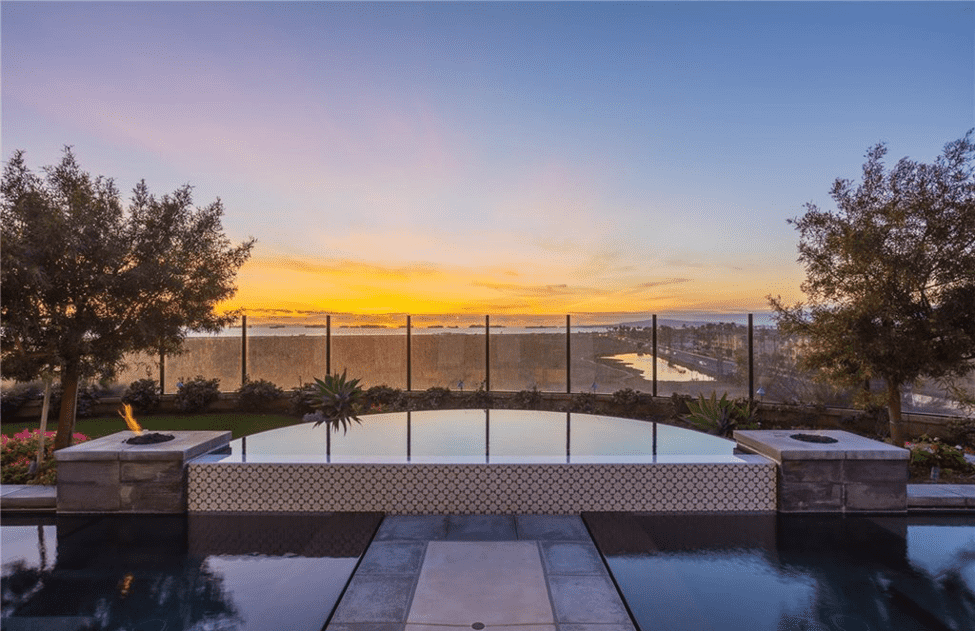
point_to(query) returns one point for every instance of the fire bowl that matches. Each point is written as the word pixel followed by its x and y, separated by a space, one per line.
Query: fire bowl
pixel 814 438
pixel 150 439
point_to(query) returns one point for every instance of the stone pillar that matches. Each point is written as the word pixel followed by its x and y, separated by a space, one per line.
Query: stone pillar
pixel 846 473
pixel 108 475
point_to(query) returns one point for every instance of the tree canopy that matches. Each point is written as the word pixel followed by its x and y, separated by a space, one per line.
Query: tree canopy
pixel 86 280
pixel 890 275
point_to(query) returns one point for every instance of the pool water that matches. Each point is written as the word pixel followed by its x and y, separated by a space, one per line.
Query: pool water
pixel 149 573
pixel 768 572
pixel 470 433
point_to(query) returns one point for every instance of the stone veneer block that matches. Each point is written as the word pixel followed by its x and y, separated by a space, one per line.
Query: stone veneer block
pixel 852 474
pixel 110 475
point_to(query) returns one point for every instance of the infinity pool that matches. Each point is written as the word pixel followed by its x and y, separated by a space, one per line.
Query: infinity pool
pixel 477 435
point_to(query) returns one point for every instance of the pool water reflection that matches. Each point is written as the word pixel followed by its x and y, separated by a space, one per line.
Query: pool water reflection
pixel 478 433
pixel 250 572
pixel 791 573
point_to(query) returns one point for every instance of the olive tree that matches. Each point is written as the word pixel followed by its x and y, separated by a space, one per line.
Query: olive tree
pixel 86 280
pixel 890 276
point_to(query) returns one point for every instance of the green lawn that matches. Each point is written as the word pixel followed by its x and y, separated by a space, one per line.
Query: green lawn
pixel 238 423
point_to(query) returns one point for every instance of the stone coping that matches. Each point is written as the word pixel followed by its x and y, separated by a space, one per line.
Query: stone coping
pixel 778 445
pixel 322 459
pixel 38 497
pixel 28 497
pixel 940 496
pixel 185 446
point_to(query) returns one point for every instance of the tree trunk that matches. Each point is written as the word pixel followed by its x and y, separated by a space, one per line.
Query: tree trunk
pixel 69 397
pixel 897 429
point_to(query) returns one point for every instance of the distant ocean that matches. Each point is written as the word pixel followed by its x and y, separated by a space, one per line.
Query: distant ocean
pixel 674 320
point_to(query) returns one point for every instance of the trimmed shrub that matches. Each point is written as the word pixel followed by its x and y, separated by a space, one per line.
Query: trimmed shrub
pixel 527 399
pixel 583 402
pixel 12 399
pixel 379 398
pixel 197 394
pixel 142 395
pixel 477 399
pixel 628 397
pixel 433 398
pixel 258 395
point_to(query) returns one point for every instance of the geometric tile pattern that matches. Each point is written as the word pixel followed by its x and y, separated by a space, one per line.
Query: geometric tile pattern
pixel 487 489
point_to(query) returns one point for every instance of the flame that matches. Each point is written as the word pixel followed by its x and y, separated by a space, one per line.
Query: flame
pixel 126 414
pixel 125 585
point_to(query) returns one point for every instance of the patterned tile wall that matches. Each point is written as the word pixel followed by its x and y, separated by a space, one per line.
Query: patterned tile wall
pixel 406 489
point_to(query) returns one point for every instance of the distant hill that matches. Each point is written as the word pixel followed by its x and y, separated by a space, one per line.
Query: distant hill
pixel 759 319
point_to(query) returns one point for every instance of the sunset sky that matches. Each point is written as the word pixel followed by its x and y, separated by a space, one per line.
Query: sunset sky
pixel 500 158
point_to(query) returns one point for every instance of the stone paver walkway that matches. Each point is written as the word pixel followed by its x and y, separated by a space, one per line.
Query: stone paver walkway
pixel 494 572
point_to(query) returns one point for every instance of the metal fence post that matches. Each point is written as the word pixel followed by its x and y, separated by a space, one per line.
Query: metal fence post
pixel 162 372
pixel 568 354
pixel 749 344
pixel 244 349
pixel 408 353
pixel 488 385
pixel 328 344
pixel 654 355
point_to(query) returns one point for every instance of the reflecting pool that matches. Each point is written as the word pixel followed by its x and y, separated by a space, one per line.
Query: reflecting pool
pixel 149 573
pixel 791 573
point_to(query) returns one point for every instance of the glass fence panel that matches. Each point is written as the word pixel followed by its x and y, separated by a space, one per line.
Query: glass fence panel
pixel 370 348
pixel 702 357
pixel 606 359
pixel 137 366
pixel 288 361
pixel 447 352
pixel 212 356
pixel 528 352
pixel 929 396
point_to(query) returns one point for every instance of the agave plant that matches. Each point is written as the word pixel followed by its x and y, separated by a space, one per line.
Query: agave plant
pixel 714 416
pixel 336 400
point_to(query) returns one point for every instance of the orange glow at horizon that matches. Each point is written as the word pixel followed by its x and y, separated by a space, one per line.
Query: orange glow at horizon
pixel 297 286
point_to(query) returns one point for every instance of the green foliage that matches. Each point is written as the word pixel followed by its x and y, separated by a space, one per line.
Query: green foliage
pixel 12 399
pixel 628 397
pixel 143 395
pixel 86 279
pixel 929 452
pixel 258 395
pixel 478 399
pixel 433 398
pixel 680 404
pixel 527 399
pixel 88 396
pixel 197 394
pixel 383 396
pixel 337 401
pixel 18 451
pixel 721 416
pixel 890 276
pixel 960 431
pixel 301 399
pixel 583 402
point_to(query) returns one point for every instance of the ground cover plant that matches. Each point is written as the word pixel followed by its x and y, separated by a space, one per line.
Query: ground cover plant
pixel 18 451
pixel 933 460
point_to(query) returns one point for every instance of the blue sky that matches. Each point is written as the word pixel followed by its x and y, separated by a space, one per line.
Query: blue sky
pixel 493 157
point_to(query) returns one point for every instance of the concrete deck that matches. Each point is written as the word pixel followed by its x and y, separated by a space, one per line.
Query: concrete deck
pixel 935 497
pixel 28 497
pixel 537 572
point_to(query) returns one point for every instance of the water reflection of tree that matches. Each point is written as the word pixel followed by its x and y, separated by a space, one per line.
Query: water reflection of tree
pixel 118 573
